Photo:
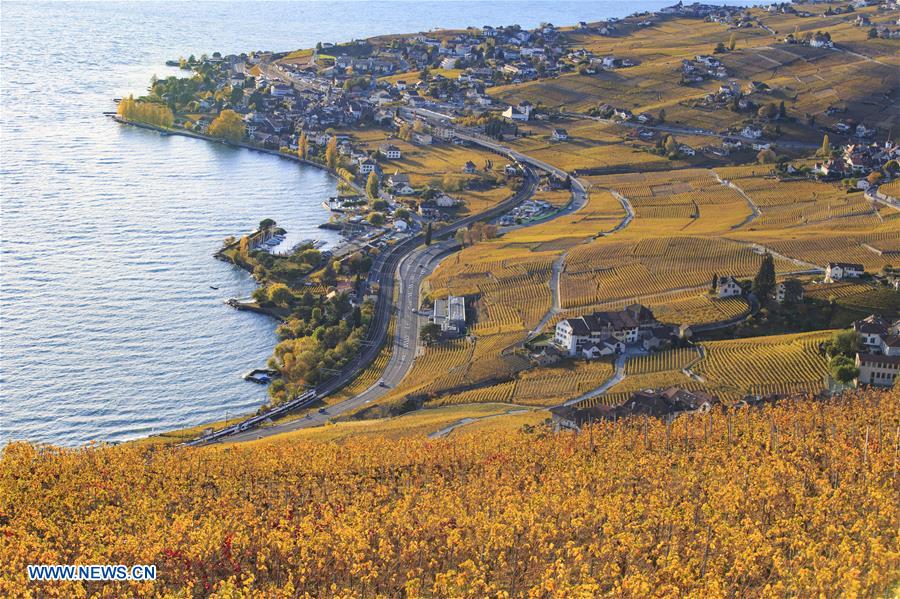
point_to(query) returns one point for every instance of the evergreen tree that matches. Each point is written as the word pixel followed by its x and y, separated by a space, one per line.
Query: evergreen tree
pixel 428 234
pixel 764 281
pixel 715 281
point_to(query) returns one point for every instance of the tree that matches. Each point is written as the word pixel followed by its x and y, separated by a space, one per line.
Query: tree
pixel 376 218
pixel 303 146
pixel 764 281
pixel 402 214
pixel 228 125
pixel 731 42
pixel 782 111
pixel 430 333
pixel 715 281
pixel 329 275
pixel 331 153
pixel 428 234
pixel 720 48
pixel 671 146
pixel 874 178
pixel 825 150
pixel 662 115
pixel 767 111
pixel 766 157
pixel 842 343
pixel 793 291
pixel 280 295
pixel 843 369
pixel 372 185
pixel 266 223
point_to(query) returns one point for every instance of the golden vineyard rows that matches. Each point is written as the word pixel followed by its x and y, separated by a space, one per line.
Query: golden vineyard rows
pixel 798 499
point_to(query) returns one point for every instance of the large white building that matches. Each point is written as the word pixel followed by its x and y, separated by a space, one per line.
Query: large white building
pixel 450 314
pixel 603 333
pixel 837 271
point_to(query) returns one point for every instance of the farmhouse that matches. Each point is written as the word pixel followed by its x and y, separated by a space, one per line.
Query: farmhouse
pixel 878 335
pixel 789 290
pixel 391 152
pixel 560 134
pixel 600 333
pixel 728 287
pixel 367 166
pixel 450 314
pixel 878 370
pixel 837 271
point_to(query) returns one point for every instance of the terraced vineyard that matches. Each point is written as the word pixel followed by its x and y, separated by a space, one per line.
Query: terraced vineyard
pixel 670 360
pixel 742 364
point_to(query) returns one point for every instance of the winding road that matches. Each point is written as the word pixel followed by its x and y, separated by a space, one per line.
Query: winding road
pixel 407 264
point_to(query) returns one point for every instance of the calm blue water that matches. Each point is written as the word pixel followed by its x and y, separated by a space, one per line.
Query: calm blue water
pixel 110 330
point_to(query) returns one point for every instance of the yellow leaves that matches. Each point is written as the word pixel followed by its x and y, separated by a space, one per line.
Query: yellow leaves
pixel 500 515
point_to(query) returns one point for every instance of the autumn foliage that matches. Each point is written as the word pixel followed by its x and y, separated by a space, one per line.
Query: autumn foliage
pixel 145 112
pixel 797 499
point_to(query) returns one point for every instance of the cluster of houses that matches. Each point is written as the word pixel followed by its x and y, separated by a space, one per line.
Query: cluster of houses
pixel 878 359
pixel 526 211
pixel 665 403
pixel 700 69
pixel 813 40
pixel 858 160
pixel 611 332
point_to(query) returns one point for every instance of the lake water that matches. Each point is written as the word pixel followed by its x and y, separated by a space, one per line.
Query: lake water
pixel 110 329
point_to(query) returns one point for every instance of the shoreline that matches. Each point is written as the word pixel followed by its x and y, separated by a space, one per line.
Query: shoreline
pixel 219 254
pixel 232 144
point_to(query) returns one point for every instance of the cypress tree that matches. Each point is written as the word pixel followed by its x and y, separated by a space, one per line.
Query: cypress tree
pixel 764 281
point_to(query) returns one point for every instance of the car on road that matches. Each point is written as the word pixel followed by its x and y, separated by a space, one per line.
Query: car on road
pixel 323 411
pixel 381 383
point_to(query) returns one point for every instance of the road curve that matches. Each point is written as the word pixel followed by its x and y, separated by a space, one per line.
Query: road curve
pixel 408 259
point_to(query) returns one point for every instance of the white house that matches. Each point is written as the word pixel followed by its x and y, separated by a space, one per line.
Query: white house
pixel 752 132
pixel 728 287
pixel 279 90
pixel 560 134
pixel 837 271
pixel 877 370
pixel 604 330
pixel 391 152
pixel 791 288
pixel 515 113
pixel 367 166
pixel 445 201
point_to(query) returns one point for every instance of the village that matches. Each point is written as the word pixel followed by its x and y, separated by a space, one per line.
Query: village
pixel 423 130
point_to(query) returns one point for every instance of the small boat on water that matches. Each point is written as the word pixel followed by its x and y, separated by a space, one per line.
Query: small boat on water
pixel 214 287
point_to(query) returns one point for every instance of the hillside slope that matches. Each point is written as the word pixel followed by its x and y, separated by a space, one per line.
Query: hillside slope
pixel 797 499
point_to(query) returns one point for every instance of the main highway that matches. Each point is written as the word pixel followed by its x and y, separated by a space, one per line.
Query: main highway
pixel 407 264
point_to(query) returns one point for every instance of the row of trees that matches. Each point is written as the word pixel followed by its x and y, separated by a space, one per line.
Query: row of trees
pixel 476 232
pixel 145 112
